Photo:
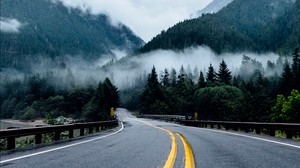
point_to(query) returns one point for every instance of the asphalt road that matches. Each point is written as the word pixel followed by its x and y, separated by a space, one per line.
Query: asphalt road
pixel 144 143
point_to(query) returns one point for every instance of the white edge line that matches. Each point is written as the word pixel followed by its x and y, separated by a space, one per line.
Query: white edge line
pixel 246 136
pixel 63 147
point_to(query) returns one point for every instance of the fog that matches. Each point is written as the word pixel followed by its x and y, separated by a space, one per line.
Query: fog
pixel 8 25
pixel 146 18
pixel 124 71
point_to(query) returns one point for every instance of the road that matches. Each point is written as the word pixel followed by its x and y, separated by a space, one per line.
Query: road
pixel 144 143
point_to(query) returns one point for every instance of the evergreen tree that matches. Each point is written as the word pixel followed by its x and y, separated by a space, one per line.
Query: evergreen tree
pixel 173 77
pixel 211 75
pixel 286 78
pixel 201 81
pixel 224 74
pixel 153 97
pixel 165 78
pixel 296 69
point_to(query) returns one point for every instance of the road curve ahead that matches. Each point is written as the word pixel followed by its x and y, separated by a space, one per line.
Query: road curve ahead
pixel 147 143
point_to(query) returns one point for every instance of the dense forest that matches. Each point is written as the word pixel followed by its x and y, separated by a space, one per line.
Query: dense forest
pixel 48 29
pixel 38 97
pixel 254 94
pixel 243 25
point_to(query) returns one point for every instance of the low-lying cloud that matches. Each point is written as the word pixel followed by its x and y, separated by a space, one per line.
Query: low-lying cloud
pixel 125 71
pixel 8 25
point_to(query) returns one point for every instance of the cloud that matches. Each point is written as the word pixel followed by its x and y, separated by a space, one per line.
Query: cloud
pixel 8 25
pixel 146 18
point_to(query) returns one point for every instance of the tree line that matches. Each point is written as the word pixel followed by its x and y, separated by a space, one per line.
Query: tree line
pixel 37 97
pixel 251 95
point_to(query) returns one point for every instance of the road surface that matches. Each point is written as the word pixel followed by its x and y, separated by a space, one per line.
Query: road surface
pixel 143 143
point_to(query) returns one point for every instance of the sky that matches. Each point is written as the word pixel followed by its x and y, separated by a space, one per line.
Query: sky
pixel 146 18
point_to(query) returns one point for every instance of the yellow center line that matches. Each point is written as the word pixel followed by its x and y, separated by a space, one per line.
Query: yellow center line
pixel 173 153
pixel 189 155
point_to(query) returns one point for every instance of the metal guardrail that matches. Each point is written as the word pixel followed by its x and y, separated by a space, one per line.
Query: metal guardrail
pixel 164 117
pixel 290 129
pixel 11 134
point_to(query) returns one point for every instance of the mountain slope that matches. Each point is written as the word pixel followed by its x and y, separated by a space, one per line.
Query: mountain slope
pixel 240 26
pixel 213 7
pixel 51 29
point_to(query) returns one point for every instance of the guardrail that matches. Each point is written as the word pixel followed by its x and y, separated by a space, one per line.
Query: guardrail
pixel 11 134
pixel 290 129
pixel 164 117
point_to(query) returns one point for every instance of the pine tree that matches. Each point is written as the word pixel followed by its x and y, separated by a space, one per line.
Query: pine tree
pixel 211 75
pixel 165 78
pixel 224 74
pixel 296 69
pixel 173 77
pixel 285 82
pixel 201 81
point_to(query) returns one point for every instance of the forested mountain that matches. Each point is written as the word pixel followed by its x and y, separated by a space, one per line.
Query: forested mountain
pixel 47 28
pixel 255 25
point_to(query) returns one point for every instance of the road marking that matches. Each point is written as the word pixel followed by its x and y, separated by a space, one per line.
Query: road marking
pixel 63 147
pixel 189 155
pixel 173 153
pixel 247 136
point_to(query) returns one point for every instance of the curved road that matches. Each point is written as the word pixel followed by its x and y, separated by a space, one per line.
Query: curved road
pixel 147 143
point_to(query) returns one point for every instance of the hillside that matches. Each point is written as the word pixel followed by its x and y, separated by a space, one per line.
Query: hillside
pixel 243 25
pixel 50 29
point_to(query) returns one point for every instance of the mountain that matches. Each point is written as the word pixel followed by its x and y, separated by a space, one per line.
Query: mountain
pixel 47 28
pixel 212 7
pixel 243 25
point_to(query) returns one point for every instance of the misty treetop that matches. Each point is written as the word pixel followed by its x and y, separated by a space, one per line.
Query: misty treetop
pixel 255 93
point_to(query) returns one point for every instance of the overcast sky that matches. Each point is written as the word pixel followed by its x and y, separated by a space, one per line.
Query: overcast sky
pixel 146 18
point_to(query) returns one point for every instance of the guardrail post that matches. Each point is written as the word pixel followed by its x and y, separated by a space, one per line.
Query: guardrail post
pixel 71 133
pixel 219 126
pixel 81 131
pixel 38 138
pixel 90 130
pixel 289 134
pixel 11 143
pixel 272 132
pixel 212 126
pixel 257 130
pixel 57 136
pixel 97 128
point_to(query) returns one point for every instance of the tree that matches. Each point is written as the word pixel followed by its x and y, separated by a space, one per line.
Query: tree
pixel 286 79
pixel 296 68
pixel 220 103
pixel 106 97
pixel 201 81
pixel 224 74
pixel 211 75
pixel 287 109
pixel 173 77
pixel 153 97
pixel 165 78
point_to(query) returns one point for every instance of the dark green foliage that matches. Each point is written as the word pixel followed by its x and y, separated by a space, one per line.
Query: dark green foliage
pixel 106 97
pixel 211 75
pixel 52 30
pixel 219 103
pixel 224 74
pixel 286 80
pixel 31 99
pixel 287 109
pixel 255 25
pixel 201 81
pixel 296 69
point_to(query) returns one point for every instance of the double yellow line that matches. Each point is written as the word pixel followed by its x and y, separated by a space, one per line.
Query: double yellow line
pixel 189 155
